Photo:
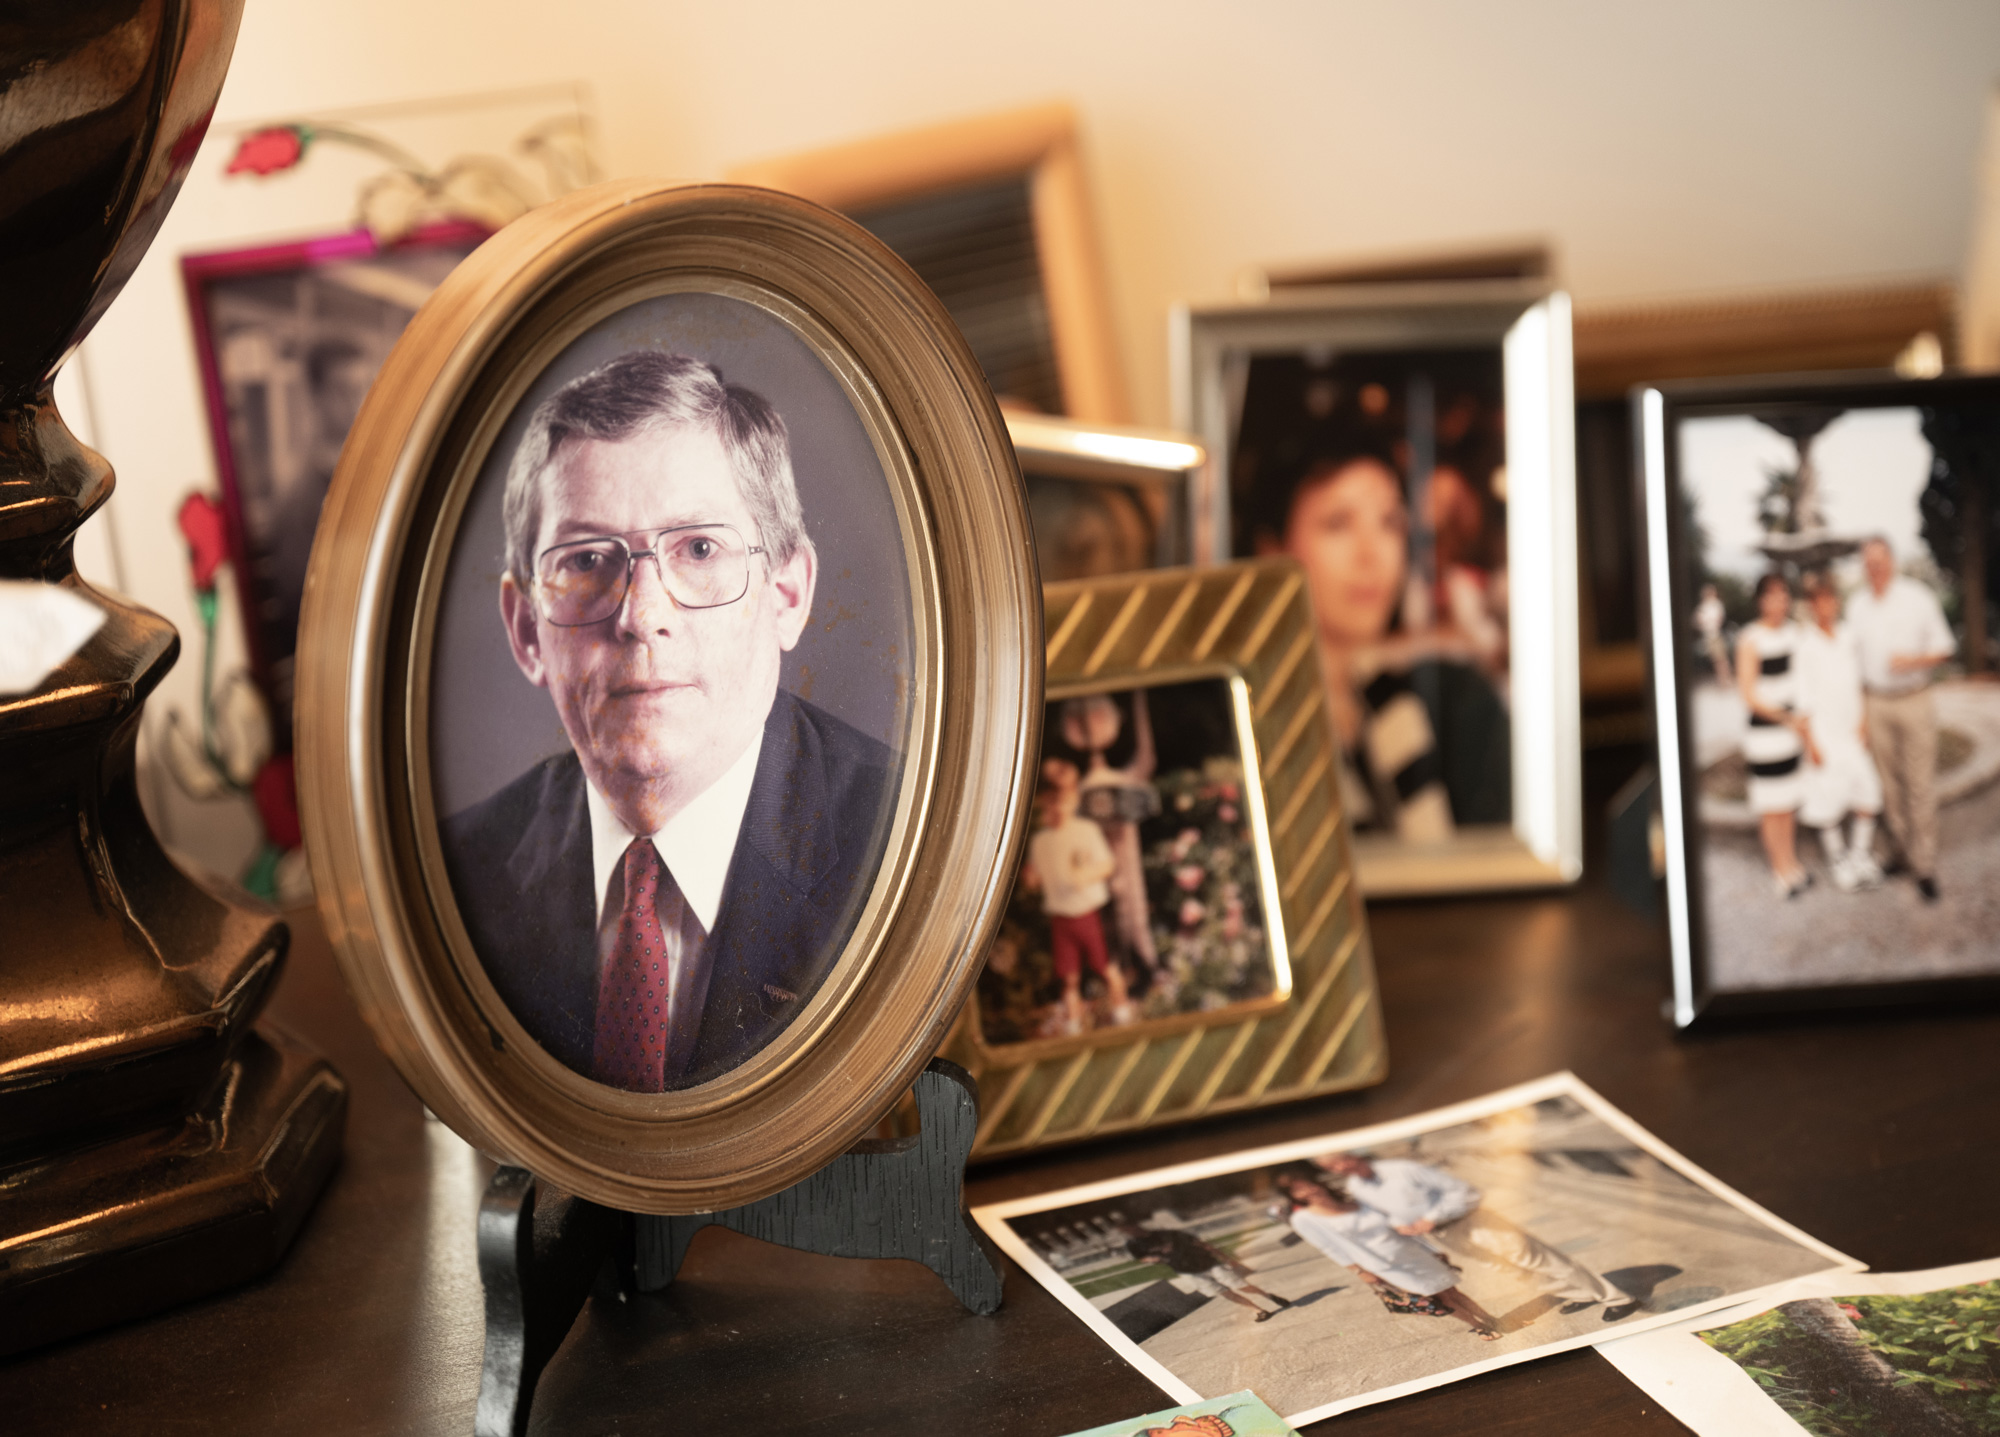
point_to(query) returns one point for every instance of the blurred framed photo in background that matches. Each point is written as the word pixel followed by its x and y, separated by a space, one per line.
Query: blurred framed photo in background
pixel 994 214
pixel 288 338
pixel 1184 936
pixel 1108 499
pixel 1820 589
pixel 1412 447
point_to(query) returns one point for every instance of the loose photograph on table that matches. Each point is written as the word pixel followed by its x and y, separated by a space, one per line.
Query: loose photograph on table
pixel 1835 666
pixel 1240 1414
pixel 1147 881
pixel 1331 1273
pixel 1371 441
pixel 1842 1355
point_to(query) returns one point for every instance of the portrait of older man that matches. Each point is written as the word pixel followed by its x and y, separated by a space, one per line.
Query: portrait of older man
pixel 656 904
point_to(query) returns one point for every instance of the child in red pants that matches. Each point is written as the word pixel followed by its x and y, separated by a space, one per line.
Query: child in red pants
pixel 1070 862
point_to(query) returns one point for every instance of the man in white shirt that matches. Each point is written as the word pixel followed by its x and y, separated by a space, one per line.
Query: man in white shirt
pixel 1840 778
pixel 1901 637
pixel 658 903
pixel 1422 1201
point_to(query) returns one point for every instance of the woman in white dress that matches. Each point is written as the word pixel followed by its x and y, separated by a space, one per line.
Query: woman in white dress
pixel 1774 746
pixel 1362 1239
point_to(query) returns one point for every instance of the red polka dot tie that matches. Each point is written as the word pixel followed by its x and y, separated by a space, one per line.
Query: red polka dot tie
pixel 632 1009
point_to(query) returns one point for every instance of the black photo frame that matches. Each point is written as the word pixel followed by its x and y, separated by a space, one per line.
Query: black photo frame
pixel 1959 505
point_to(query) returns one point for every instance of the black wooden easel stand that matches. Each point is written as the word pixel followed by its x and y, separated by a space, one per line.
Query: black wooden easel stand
pixel 900 1197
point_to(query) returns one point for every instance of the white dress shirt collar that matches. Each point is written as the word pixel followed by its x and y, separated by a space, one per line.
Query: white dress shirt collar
pixel 696 844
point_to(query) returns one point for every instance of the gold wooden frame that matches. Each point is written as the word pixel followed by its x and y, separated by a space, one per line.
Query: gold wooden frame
pixel 1039 142
pixel 386 534
pixel 1248 620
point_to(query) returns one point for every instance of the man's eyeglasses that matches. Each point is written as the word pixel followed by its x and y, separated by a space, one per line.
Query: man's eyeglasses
pixel 703 566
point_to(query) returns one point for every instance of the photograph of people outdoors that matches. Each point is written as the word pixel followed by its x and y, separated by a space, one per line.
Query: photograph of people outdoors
pixel 1142 893
pixel 1876 1366
pixel 1383 474
pixel 1846 725
pixel 1328 1274
pixel 1879 1354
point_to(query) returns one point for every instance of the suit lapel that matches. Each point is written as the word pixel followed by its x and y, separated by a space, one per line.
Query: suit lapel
pixel 549 873
pixel 787 844
pixel 786 820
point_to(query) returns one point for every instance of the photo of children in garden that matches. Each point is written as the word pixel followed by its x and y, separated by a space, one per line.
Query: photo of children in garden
pixel 1141 895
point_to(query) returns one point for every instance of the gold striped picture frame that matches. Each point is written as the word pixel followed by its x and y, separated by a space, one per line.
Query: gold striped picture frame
pixel 1320 1031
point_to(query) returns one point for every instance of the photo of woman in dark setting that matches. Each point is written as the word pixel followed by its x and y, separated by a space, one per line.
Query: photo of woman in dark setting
pixel 1381 475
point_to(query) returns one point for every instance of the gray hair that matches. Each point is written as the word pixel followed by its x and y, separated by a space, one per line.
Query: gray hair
pixel 643 391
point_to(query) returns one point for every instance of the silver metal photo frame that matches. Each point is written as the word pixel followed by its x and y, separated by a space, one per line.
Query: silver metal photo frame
pixel 1407 362
pixel 1109 498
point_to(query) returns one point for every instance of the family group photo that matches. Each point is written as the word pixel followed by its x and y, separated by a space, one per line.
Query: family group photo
pixel 1846 722
pixel 1384 475
pixel 1350 1273
pixel 1142 893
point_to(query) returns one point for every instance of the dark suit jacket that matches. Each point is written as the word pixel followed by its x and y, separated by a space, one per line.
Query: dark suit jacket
pixel 811 841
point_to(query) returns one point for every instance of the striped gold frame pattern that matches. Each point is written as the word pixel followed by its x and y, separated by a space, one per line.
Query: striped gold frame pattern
pixel 1250 618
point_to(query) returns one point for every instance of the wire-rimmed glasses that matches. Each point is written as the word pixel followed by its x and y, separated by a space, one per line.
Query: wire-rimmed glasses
pixel 703 566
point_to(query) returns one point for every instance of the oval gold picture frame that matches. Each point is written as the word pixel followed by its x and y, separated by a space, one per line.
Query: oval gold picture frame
pixel 363 692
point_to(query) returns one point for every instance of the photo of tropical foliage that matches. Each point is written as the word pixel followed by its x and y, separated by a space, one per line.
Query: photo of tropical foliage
pixel 1878 1366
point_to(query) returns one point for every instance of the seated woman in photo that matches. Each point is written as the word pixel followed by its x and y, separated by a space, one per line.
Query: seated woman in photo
pixel 1425 737
pixel 1406 1275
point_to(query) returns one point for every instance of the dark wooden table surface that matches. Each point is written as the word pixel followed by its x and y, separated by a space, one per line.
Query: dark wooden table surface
pixel 1875 1134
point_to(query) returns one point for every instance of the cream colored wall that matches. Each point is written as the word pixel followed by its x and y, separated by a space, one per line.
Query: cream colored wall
pixel 1708 143
pixel 1702 143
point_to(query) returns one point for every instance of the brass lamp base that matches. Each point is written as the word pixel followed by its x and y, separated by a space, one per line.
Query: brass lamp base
pixel 202 1202
pixel 154 1144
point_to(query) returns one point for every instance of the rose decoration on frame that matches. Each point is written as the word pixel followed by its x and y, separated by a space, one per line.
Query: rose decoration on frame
pixel 410 194
pixel 230 751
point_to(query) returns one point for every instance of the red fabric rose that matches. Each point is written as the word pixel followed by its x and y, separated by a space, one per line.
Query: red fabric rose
pixel 265 152
pixel 207 536
pixel 277 801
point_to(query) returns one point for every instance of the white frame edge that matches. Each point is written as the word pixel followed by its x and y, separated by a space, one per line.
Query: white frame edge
pixel 1543 676
pixel 1666 696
